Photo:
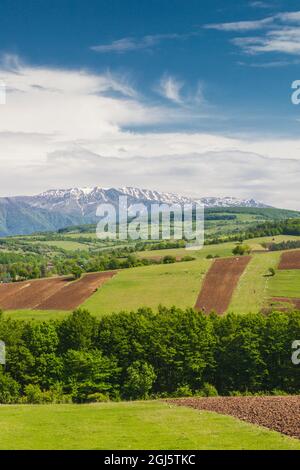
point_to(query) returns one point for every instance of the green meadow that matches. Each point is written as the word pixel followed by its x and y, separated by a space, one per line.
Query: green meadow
pixel 285 283
pixel 130 426
pixel 166 284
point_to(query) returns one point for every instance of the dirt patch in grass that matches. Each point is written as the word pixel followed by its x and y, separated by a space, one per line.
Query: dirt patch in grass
pixel 280 413
pixel 219 284
pixel 290 260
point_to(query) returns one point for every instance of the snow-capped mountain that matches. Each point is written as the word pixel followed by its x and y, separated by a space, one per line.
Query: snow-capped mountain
pixel 58 208
pixel 83 198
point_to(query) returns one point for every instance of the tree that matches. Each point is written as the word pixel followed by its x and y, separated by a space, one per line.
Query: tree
pixel 88 373
pixel 77 272
pixel 140 378
pixel 77 331
pixel 241 250
pixel 9 388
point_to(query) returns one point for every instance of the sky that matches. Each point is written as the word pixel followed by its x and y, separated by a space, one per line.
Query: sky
pixel 184 96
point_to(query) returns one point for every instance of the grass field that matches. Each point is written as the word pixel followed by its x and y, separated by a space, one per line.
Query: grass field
pixel 221 249
pixel 65 244
pixel 253 288
pixel 168 284
pixel 130 426
pixel 285 283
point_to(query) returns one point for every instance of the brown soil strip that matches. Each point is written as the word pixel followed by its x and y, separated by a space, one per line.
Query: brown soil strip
pixel 290 260
pixel 8 291
pixel 280 414
pixel 219 284
pixel 29 294
pixel 57 293
pixel 75 293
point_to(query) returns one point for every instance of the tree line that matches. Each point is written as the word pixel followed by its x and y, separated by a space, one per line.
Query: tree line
pixel 136 355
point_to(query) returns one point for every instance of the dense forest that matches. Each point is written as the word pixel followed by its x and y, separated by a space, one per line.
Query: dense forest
pixel 145 354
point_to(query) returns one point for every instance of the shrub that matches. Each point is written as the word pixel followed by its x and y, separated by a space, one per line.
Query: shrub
pixel 98 397
pixel 33 394
pixel 183 391
pixel 9 388
pixel 169 259
pixel 207 390
pixel 188 258
pixel 241 250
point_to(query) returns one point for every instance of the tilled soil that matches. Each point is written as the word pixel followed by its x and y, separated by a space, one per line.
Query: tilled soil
pixel 29 294
pixel 219 284
pixel 75 293
pixel 57 293
pixel 290 260
pixel 280 413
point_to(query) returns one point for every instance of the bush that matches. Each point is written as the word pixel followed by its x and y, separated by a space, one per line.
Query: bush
pixel 98 397
pixel 33 394
pixel 183 391
pixel 9 388
pixel 169 259
pixel 207 390
pixel 241 250
pixel 188 258
pixel 278 392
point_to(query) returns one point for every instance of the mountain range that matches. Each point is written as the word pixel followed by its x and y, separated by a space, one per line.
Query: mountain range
pixel 59 208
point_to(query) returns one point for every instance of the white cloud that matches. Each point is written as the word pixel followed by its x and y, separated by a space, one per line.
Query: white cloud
pixel 170 88
pixel 285 40
pixel 240 25
pixel 281 33
pixel 65 128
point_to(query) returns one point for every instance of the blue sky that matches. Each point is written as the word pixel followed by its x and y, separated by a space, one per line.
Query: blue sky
pixel 178 88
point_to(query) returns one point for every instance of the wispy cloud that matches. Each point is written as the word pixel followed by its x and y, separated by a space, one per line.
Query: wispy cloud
pixel 128 44
pixel 259 4
pixel 241 25
pixel 179 92
pixel 170 88
pixel 281 33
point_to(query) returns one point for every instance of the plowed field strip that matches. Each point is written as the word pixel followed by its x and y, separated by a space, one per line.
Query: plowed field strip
pixel 75 293
pixel 219 284
pixel 290 260
pixel 30 293
pixel 59 293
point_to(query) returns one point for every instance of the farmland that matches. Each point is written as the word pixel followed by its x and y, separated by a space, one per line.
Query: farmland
pixel 178 283
pixel 220 283
pixel 54 293
pixel 149 273
pixel 128 426
pixel 173 284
